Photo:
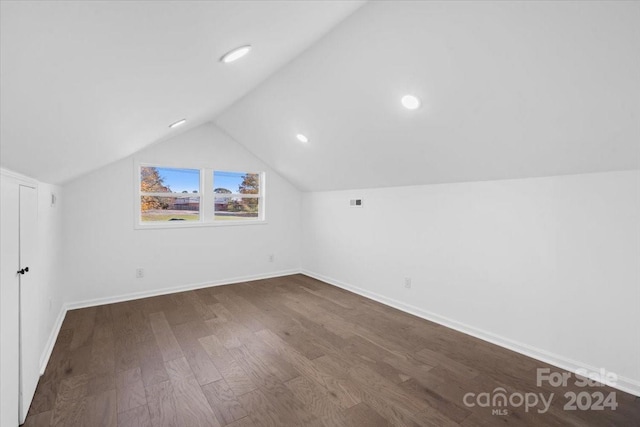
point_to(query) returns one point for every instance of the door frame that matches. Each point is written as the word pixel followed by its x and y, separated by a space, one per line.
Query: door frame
pixel 11 182
pixel 25 399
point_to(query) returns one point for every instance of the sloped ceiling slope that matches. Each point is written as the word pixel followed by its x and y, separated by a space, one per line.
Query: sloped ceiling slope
pixel 86 83
pixel 509 90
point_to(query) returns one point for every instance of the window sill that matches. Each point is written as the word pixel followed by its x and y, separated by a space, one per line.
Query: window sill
pixel 163 225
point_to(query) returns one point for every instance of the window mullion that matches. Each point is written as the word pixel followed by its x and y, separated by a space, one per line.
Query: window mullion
pixel 206 201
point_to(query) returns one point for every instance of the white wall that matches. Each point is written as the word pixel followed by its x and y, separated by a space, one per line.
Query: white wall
pixel 102 249
pixel 47 272
pixel 9 294
pixel 45 276
pixel 549 266
pixel 49 275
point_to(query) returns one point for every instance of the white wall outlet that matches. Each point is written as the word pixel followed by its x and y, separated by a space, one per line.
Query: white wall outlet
pixel 407 282
pixel 271 257
pixel 139 273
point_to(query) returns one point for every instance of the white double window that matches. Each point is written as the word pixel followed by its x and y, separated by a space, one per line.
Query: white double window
pixel 179 197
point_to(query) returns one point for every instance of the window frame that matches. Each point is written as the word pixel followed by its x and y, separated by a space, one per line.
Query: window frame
pixel 259 196
pixel 206 197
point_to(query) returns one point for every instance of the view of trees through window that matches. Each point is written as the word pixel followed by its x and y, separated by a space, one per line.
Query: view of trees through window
pixel 236 195
pixel 182 186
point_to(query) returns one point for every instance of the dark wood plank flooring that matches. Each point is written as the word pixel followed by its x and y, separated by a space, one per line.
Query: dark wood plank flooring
pixel 289 351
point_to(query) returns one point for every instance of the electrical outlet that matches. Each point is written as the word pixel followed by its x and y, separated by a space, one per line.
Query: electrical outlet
pixel 271 257
pixel 139 273
pixel 407 282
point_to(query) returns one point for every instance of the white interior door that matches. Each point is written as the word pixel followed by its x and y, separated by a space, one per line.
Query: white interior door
pixel 9 307
pixel 29 295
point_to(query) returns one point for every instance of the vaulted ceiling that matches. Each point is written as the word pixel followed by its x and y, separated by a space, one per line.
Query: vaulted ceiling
pixel 86 83
pixel 508 89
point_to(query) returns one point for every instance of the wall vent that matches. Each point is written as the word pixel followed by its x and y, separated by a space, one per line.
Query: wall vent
pixel 355 203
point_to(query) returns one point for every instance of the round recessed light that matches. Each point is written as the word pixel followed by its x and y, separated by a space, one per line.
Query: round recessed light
pixel 178 123
pixel 235 54
pixel 410 102
pixel 302 138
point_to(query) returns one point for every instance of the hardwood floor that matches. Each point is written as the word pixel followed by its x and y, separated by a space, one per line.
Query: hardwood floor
pixel 289 351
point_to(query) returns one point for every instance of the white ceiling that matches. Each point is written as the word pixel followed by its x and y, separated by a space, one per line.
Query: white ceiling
pixel 87 83
pixel 510 90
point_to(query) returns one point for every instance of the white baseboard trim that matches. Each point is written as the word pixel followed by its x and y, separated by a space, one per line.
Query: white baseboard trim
pixel 44 359
pixel 53 336
pixel 625 384
pixel 173 290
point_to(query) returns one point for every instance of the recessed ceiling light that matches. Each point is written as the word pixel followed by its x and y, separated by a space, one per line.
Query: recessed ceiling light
pixel 235 54
pixel 302 138
pixel 410 102
pixel 178 123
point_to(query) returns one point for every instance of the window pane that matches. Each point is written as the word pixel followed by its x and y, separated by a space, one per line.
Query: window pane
pixel 169 180
pixel 170 208
pixel 236 208
pixel 236 182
